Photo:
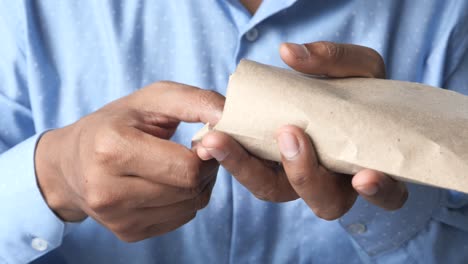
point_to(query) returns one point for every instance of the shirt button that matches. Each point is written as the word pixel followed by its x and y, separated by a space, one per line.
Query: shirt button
pixel 357 228
pixel 39 244
pixel 252 34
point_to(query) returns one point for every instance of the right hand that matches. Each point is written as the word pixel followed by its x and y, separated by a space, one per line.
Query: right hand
pixel 330 195
pixel 118 166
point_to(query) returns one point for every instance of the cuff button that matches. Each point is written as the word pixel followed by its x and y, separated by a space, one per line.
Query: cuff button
pixel 357 228
pixel 39 244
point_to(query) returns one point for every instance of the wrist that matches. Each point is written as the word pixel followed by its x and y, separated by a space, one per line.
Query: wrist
pixel 50 178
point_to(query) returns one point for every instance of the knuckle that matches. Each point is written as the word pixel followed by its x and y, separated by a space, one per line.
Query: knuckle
pixel 188 170
pixel 330 212
pixel 395 204
pixel 203 200
pixel 189 218
pixel 128 231
pixel 192 176
pixel 106 147
pixel 207 97
pixel 327 214
pixel 330 51
pixel 323 215
pixel 267 193
pixel 298 178
pixel 122 229
pixel 272 191
pixel 161 229
pixel 156 230
pixel 195 190
pixel 129 238
pixel 99 202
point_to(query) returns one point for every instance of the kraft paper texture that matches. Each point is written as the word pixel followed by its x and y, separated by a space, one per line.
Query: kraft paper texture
pixel 413 132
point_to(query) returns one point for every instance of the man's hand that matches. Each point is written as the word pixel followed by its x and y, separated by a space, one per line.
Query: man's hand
pixel 328 194
pixel 118 166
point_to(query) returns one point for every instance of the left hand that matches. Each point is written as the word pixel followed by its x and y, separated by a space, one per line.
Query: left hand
pixel 328 194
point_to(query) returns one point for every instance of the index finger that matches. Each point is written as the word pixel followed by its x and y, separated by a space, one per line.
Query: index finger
pixel 182 102
pixel 133 152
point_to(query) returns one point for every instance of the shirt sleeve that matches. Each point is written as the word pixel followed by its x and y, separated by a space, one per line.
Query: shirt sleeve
pixel 28 228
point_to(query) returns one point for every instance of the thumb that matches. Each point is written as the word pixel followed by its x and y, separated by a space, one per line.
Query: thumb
pixel 328 194
pixel 179 101
pixel 333 59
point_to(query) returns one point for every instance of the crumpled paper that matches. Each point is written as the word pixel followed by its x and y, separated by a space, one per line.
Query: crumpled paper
pixel 410 131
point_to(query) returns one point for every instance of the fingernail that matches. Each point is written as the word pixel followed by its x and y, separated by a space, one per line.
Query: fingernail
pixel 203 154
pixel 288 145
pixel 218 154
pixel 218 115
pixel 369 189
pixel 299 51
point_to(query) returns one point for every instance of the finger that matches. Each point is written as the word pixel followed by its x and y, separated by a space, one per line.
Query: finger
pixel 135 192
pixel 154 124
pixel 160 229
pixel 157 131
pixel 202 153
pixel 257 176
pixel 328 194
pixel 380 189
pixel 130 220
pixel 129 151
pixel 156 229
pixel 182 102
pixel 333 59
pixel 165 219
pixel 154 215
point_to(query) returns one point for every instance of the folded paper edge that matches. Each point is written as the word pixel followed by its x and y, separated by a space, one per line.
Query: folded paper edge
pixel 201 133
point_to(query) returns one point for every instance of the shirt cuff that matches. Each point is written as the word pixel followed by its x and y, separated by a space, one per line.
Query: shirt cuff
pixel 376 231
pixel 28 227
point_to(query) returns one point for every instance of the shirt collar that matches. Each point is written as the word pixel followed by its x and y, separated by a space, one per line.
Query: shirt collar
pixel 245 21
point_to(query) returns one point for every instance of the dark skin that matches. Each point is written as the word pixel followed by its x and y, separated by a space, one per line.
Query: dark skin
pixel 251 5
pixel 328 194
pixel 118 165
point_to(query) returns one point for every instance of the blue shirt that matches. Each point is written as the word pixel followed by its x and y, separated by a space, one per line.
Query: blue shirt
pixel 60 60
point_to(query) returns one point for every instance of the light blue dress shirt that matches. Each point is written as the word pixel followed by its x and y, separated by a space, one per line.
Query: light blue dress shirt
pixel 60 60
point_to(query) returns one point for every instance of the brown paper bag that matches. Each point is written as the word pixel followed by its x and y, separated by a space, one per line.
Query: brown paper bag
pixel 410 131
